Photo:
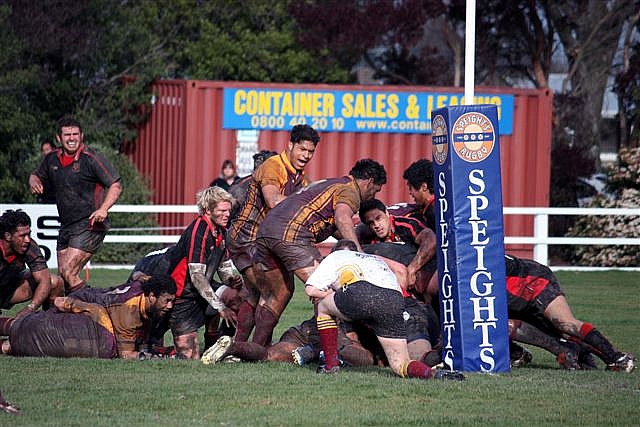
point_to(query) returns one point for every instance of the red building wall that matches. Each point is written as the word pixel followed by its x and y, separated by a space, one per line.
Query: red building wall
pixel 182 145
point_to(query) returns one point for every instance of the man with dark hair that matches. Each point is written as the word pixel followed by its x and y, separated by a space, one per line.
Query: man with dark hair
pixel 403 239
pixel 19 251
pixel 419 179
pixel 274 180
pixel 287 238
pixel 80 176
pixel 102 323
pixel 48 195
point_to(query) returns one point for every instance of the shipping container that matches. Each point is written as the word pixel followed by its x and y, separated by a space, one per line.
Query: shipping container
pixel 191 131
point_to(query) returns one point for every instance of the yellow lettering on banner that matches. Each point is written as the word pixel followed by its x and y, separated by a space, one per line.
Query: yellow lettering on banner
pixel 239 102
pixel 287 105
pixel 454 100
pixel 359 108
pixel 264 103
pixel 328 105
pixel 429 106
pixel 304 104
pixel 347 108
pixel 276 102
pixel 441 101
pixel 392 111
pixel 252 102
pixel 413 109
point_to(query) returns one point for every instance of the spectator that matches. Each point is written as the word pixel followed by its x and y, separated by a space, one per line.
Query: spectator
pixel 48 195
pixel 228 176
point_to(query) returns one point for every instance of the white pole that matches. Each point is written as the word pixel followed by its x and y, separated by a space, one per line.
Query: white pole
pixel 469 52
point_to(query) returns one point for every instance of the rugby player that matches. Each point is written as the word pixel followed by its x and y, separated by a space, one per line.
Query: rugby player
pixel 17 283
pixel 534 295
pixel 286 240
pixel 96 323
pixel 357 286
pixel 278 177
pixel 87 186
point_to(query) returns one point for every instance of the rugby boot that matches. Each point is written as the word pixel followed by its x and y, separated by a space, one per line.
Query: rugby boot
pixel 625 363
pixel 522 358
pixel 568 358
pixel 322 369
pixel 218 351
pixel 302 355
pixel 445 374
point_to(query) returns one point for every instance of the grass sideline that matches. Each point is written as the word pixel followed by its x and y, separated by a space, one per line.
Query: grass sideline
pixel 80 392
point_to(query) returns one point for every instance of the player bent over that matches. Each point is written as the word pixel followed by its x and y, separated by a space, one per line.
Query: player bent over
pixel 357 286
pixel 534 295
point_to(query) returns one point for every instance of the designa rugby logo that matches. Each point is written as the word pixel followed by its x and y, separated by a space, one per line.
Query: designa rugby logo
pixel 473 137
pixel 439 139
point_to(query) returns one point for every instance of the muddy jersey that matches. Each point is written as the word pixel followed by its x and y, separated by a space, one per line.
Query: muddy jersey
pixel 126 306
pixel 276 170
pixel 526 278
pixel 54 334
pixel 12 268
pixel 426 215
pixel 79 184
pixel 309 215
pixel 201 243
pixel 343 268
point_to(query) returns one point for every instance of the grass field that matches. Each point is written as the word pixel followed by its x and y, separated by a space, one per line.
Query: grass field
pixel 83 392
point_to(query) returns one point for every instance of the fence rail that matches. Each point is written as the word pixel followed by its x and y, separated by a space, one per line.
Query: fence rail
pixel 540 239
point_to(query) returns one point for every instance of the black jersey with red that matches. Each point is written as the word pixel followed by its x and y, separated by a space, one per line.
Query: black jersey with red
pixel 12 267
pixel 402 229
pixel 79 181
pixel 526 278
pixel 426 215
pixel 201 243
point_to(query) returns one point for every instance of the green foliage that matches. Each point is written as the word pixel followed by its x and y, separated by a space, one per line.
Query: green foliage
pixel 624 180
pixel 77 392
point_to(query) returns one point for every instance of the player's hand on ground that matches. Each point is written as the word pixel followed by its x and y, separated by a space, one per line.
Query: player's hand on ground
pixel 229 317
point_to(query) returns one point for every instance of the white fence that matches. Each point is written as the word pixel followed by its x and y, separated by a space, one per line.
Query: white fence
pixel 45 225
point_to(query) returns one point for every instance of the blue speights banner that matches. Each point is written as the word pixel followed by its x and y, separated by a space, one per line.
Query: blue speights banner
pixel 347 111
pixel 470 238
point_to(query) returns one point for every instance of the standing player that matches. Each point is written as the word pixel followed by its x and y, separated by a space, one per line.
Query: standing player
pixel 17 284
pixel 101 323
pixel 80 176
pixel 287 236
pixel 240 188
pixel 278 177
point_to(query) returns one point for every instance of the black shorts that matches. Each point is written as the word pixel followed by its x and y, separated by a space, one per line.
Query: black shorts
pixel 9 288
pixel 379 307
pixel 79 236
pixel 274 253
pixel 187 315
pixel 526 309
pixel 422 321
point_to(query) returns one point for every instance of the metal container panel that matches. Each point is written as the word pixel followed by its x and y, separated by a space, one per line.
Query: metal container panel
pixel 182 145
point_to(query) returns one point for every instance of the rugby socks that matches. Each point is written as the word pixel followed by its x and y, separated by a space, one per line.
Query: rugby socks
pixel 246 321
pixel 600 345
pixel 266 320
pixel 328 331
pixel 249 351
pixel 415 369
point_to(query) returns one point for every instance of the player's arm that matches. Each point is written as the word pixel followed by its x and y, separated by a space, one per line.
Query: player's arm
pixel 197 273
pixel 427 249
pixel 399 270
pixel 344 223
pixel 272 195
pixel 40 295
pixel 110 199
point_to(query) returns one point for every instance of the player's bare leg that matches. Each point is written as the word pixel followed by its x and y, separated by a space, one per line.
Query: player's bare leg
pixel 187 345
pixel 70 262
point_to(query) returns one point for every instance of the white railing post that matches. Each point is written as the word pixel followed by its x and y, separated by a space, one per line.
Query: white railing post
pixel 540 235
